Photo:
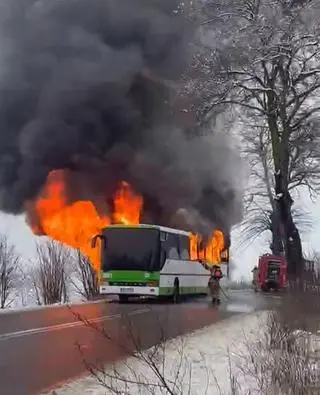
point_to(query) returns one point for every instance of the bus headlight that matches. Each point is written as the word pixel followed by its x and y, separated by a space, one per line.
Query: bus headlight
pixel 152 284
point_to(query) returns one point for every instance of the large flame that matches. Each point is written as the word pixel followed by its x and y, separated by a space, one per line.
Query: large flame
pixel 127 206
pixel 194 246
pixel 211 252
pixel 74 224
pixel 214 247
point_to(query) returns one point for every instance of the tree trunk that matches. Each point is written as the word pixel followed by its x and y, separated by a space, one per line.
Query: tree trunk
pixel 291 236
pixel 285 227
pixel 277 245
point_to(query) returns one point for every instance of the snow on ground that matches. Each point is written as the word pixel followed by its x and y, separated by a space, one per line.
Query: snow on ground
pixel 195 364
pixel 24 299
pixel 311 342
pixel 308 340
pixel 35 307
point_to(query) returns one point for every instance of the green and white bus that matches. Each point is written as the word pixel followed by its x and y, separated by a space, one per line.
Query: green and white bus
pixel 148 260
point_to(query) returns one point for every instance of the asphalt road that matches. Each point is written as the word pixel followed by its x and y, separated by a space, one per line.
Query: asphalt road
pixel 40 349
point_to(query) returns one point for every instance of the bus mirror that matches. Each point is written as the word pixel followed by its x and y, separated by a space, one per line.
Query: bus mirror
pixel 94 241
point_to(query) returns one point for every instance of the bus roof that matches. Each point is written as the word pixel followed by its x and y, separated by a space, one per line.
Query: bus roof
pixel 161 228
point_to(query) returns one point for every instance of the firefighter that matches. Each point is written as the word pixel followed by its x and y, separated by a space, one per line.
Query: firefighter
pixel 214 283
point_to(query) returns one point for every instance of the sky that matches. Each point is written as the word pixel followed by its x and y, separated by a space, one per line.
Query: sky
pixel 244 258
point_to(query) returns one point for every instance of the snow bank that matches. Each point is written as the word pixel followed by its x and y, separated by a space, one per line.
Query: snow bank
pixel 74 303
pixel 194 364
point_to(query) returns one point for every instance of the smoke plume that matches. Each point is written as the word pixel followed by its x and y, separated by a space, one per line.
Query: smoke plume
pixel 87 86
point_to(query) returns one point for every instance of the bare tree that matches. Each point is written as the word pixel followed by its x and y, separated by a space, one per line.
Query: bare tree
pixel 88 285
pixel 259 197
pixel 49 277
pixel 263 58
pixel 313 266
pixel 9 262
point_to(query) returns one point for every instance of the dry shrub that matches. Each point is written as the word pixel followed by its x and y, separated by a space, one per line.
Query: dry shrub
pixel 9 265
pixel 49 278
pixel 286 359
pixel 145 372
pixel 86 282
pixel 300 307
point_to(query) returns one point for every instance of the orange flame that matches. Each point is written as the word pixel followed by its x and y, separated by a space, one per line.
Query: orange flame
pixel 212 251
pixel 194 243
pixel 76 223
pixel 127 206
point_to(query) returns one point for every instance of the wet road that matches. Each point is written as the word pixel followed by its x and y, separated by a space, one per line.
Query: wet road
pixel 42 348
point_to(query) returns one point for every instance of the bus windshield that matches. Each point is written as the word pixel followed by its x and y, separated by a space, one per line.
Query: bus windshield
pixel 131 249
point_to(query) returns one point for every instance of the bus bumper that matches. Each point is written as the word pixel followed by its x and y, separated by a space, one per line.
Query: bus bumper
pixel 127 290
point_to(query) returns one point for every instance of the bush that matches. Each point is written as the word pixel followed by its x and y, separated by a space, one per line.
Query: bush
pixel 286 360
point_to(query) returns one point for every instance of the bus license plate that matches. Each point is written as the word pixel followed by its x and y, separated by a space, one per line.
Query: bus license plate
pixel 126 290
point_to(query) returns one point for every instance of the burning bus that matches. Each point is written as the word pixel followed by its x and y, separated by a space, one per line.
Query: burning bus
pixel 131 259
pixel 154 261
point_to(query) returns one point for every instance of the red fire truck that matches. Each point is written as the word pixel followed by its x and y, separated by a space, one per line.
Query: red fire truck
pixel 270 274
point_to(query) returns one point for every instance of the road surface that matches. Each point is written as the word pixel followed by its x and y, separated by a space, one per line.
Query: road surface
pixel 42 348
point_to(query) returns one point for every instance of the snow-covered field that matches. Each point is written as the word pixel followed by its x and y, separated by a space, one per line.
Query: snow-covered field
pixel 194 364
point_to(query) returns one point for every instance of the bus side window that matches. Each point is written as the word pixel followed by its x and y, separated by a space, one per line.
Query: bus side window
pixel 184 247
pixel 173 246
pixel 163 256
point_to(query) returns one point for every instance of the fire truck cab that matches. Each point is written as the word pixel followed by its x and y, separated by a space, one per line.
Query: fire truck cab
pixel 270 274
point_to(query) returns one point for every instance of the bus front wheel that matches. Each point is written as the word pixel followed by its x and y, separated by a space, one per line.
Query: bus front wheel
pixel 176 292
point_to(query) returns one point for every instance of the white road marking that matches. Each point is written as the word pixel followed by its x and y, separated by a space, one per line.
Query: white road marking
pixel 67 325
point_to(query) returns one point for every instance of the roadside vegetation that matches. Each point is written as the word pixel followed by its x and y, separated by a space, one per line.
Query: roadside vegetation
pixel 269 352
pixel 9 272
pixel 286 359
pixel 56 274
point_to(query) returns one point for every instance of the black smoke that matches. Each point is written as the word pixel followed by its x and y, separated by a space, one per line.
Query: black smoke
pixel 87 86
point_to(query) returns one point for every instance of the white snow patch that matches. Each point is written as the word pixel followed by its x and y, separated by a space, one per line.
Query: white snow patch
pixel 308 340
pixel 193 364
pixel 239 308
pixel 35 307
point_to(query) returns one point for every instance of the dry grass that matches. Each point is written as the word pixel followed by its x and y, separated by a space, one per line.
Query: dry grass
pixel 286 360
pixel 281 356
